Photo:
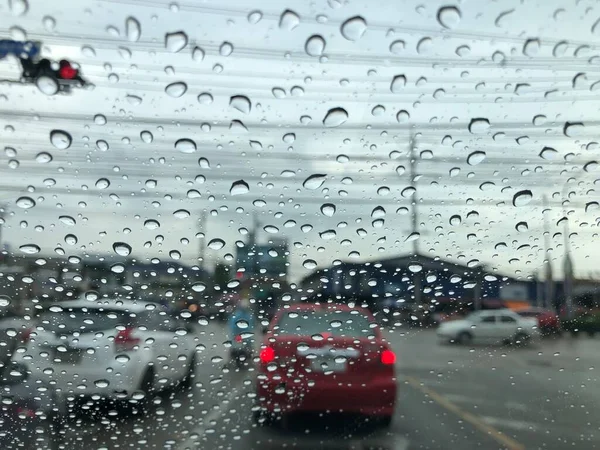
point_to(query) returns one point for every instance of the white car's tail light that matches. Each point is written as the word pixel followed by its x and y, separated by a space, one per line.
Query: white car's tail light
pixel 125 341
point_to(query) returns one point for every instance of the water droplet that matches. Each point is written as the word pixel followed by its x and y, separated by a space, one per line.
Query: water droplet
pixel 522 198
pixel 278 92
pixel 226 49
pixel 412 237
pixel 309 264
pixel 133 29
pixel 408 191
pixel 271 229
pixel 133 99
pixel 239 187
pixel 185 145
pixel 102 183
pixel 152 224
pixel 67 220
pixel 289 138
pixel 383 190
pixel 454 171
pixel 146 136
pixel 415 267
pixel 455 220
pixel 314 181
pixel 102 145
pixel 254 17
pixel 204 163
pixel 548 153
pixel 398 83
pixel 328 209
pixel 122 248
pixel 176 89
pixel 181 214
pixel 216 244
pixel 573 129
pixel 521 227
pixel 175 42
pixel 198 54
pixel 47 85
pixel 397 47
pixel 592 207
pixel 101 383
pixel 476 157
pixel 25 202
pixel 502 18
pixel 590 166
pixel 43 157
pixel 241 103
pixel 424 46
pixel 30 249
pixel 117 268
pixel 315 45
pixel 354 28
pixel 289 20
pixel 60 139
pixel 71 239
pixel 531 47
pixel 198 287
pixel 335 117
pixel 448 16
pixel 123 359
pixel 479 125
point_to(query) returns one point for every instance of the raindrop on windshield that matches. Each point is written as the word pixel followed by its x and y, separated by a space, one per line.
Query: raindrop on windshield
pixel 198 287
pixel 30 249
pixel 146 136
pixel 328 209
pixel 176 41
pixel 572 129
pixel 354 28
pixel 412 236
pixel 102 183
pixel 289 20
pixel 424 46
pixel 122 248
pixel 43 157
pixel 176 89
pixel 309 264
pixel 226 49
pixel 475 158
pixel 548 153
pixel 397 46
pixel 479 125
pixel 455 220
pixel 521 227
pixel 181 214
pixel 185 145
pixel 205 98
pixel 18 7
pixel 198 54
pixel 335 117
pixel 241 103
pixel 100 119
pixel 398 82
pixel 67 220
pixel 314 181
pixel 254 17
pixel 315 45
pixel 25 202
pixel 590 166
pixel 133 30
pixel 531 47
pixel 402 116
pixel 152 224
pixel 239 187
pixel 216 244
pixel 522 198
pixel 408 191
pixel 60 139
pixel 448 16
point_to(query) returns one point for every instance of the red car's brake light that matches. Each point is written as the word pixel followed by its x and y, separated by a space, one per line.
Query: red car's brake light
pixel 124 341
pixel 388 357
pixel 267 355
pixel 238 338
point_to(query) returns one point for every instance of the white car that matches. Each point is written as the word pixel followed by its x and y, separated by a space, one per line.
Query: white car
pixel 109 348
pixel 489 327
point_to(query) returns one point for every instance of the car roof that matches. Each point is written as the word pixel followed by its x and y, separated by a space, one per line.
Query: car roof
pixel 134 306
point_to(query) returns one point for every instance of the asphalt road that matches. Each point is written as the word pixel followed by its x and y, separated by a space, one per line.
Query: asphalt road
pixel 450 397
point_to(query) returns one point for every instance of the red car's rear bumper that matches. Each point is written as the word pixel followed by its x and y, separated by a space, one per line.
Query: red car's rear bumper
pixel 376 397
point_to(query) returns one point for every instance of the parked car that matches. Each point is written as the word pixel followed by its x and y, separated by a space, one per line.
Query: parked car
pixel 490 327
pixel 588 323
pixel 548 321
pixel 325 357
pixel 74 342
pixel 29 411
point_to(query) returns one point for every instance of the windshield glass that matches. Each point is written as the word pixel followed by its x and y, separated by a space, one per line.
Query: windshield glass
pixel 203 170
pixel 333 323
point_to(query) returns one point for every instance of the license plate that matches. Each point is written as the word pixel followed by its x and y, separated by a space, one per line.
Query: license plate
pixel 328 365
pixel 68 357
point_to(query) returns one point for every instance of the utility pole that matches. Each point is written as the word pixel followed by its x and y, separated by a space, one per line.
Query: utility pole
pixel 415 217
pixel 202 240
pixel 568 274
pixel 548 278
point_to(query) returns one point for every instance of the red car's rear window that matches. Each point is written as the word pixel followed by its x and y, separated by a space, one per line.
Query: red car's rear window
pixel 333 323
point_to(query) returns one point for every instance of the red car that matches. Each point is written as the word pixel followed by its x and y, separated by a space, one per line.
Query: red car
pixel 325 358
pixel 548 321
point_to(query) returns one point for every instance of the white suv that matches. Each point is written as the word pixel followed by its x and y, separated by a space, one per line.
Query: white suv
pixel 108 348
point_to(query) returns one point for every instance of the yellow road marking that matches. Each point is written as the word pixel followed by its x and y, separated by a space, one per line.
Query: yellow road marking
pixel 492 432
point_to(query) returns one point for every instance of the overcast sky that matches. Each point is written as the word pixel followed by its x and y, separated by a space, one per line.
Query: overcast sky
pixel 501 61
